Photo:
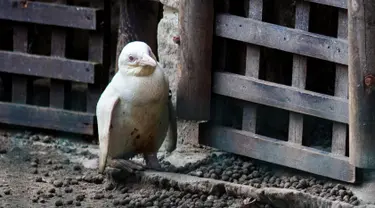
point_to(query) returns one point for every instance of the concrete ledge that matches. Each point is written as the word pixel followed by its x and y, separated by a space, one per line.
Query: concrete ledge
pixel 281 198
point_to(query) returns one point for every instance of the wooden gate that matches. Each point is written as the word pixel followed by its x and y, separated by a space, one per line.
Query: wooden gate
pixel 24 62
pixel 248 90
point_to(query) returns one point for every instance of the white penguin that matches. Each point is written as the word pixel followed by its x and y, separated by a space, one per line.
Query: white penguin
pixel 135 110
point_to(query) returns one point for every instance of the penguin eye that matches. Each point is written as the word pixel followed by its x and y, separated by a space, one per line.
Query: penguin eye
pixel 131 58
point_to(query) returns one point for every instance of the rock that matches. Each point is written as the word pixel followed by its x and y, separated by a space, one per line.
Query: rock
pixel 57 183
pixel 59 203
pixel 80 197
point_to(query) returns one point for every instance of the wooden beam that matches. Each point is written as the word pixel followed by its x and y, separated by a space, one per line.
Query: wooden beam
pixel 277 151
pixel 281 96
pixel 252 67
pixel 20 84
pixel 362 83
pixel 49 67
pixel 47 118
pixel 299 72
pixel 282 38
pixel 58 88
pixel 343 4
pixel 50 14
pixel 196 20
pixel 341 89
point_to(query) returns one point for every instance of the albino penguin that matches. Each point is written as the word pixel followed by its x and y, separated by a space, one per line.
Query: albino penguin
pixel 135 110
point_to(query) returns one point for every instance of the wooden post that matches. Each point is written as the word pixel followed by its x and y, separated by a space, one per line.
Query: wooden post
pixel 138 22
pixel 361 83
pixel 299 73
pixel 196 32
pixel 252 67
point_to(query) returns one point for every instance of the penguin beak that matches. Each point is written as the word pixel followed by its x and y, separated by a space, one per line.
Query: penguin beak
pixel 147 60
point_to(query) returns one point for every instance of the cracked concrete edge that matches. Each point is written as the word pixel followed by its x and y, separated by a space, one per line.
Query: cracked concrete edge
pixel 171 3
pixel 281 198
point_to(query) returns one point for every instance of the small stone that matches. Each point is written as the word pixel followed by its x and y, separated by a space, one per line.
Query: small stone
pixel 69 201
pixel 42 201
pixel 59 203
pixel 7 191
pixel 39 179
pixel 346 198
pixel 57 183
pixel 68 190
pixel 78 204
pixel 342 192
pixel 49 162
pixel 116 202
pixel 35 199
pixel 74 182
pixel 46 174
pixel 77 167
pixel 109 186
pixel 34 138
pixel 98 196
pixel 46 139
pixel 355 202
pixel 80 197
pixel 34 171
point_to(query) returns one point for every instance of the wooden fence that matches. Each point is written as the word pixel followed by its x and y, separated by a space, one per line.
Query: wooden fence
pixel 21 66
pixel 249 90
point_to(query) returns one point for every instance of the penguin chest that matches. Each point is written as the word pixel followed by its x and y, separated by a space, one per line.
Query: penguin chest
pixel 139 128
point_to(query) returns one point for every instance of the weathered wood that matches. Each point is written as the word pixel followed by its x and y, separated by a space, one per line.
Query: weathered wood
pixel 299 72
pixel 252 67
pixel 341 89
pixel 57 87
pixel 282 38
pixel 361 83
pixel 96 44
pixel 343 4
pixel 278 152
pixel 48 67
pixel 46 118
pixel 196 19
pixel 138 21
pixel 50 14
pixel 19 83
pixel 281 96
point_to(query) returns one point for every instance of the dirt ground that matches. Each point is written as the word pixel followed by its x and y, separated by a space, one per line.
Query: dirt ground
pixel 42 171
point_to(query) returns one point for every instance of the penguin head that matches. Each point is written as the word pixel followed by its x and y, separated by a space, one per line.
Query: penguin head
pixel 137 59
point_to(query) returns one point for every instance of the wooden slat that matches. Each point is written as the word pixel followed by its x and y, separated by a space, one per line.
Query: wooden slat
pixel 19 83
pixel 252 67
pixel 50 14
pixel 48 67
pixel 46 118
pixel 282 38
pixel 281 96
pixel 278 152
pixel 96 45
pixel 299 72
pixel 343 4
pixel 57 88
pixel 196 32
pixel 341 89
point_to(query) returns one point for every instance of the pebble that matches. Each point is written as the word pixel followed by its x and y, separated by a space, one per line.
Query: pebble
pixel 68 190
pixel 78 204
pixel 39 179
pixel 69 201
pixel 80 197
pixel 7 192
pixel 59 203
pixel 57 183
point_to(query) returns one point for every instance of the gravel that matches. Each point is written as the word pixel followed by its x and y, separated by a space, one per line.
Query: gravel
pixel 241 170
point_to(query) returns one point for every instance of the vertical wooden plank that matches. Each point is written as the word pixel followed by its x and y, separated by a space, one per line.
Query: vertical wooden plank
pixel 57 87
pixel 361 83
pixel 95 54
pixel 299 72
pixel 19 82
pixel 341 89
pixel 196 20
pixel 252 67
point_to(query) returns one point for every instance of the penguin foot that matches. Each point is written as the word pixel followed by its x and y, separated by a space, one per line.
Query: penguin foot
pixel 152 162
pixel 127 165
